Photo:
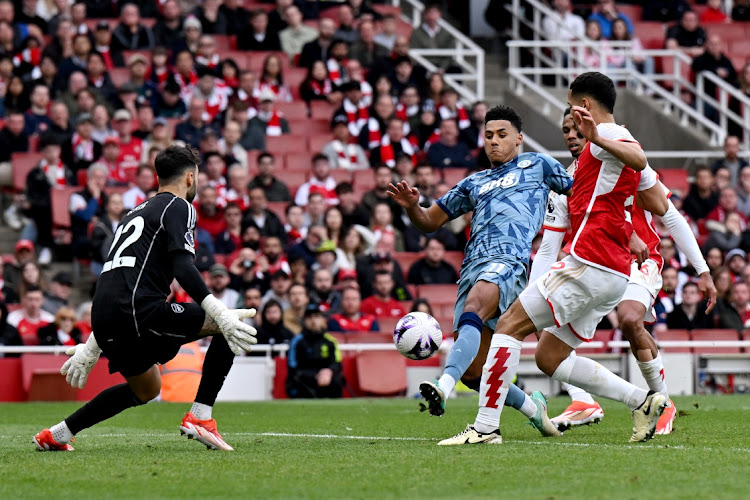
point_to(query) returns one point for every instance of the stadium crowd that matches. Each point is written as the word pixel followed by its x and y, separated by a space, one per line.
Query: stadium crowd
pixel 92 91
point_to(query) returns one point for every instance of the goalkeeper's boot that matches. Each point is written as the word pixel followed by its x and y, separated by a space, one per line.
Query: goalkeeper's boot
pixel 646 416
pixel 664 425
pixel 541 420
pixel 204 431
pixel 471 436
pixel 579 413
pixel 45 442
pixel 435 397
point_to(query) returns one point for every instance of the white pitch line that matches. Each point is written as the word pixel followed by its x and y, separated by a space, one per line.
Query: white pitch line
pixel 652 445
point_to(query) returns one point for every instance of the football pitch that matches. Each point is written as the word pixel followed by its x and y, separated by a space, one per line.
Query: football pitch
pixel 377 448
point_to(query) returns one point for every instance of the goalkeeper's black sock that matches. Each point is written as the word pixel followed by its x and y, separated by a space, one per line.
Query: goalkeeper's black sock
pixel 106 404
pixel 216 366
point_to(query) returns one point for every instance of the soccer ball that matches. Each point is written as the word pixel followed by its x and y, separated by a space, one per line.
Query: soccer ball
pixel 417 335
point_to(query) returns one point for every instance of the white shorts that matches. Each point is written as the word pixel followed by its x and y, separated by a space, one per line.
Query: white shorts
pixel 643 286
pixel 571 299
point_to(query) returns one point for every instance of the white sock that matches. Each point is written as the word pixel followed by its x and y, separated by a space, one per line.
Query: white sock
pixel 596 379
pixel 497 375
pixel 446 383
pixel 60 433
pixel 201 411
pixel 653 372
pixel 578 394
pixel 529 407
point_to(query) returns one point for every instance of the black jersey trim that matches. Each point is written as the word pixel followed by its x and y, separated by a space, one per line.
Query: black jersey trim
pixel 145 260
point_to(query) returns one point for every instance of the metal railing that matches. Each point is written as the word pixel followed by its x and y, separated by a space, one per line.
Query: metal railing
pixel 562 61
pixel 466 54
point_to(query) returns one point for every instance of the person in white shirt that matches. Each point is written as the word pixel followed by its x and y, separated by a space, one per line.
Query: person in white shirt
pixel 563 25
pixel 144 182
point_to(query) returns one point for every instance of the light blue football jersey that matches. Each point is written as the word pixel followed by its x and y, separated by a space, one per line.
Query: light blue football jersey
pixel 509 203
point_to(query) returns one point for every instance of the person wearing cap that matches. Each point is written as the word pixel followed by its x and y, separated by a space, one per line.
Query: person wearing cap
pixel 169 104
pixel 314 360
pixel 269 121
pixel 82 150
pixel 735 261
pixel 340 151
pixel 351 318
pixel 131 34
pixel 279 289
pixel 146 89
pixel 219 286
pixel 11 277
pixel 58 294
pixel 325 257
pixel 354 107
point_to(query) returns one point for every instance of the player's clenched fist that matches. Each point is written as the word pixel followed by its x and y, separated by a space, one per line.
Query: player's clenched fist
pixel 240 336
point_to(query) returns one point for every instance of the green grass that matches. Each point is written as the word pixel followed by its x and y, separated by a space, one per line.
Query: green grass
pixel 140 454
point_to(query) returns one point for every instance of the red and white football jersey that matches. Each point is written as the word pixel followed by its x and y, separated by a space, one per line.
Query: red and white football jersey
pixel 600 206
pixel 28 328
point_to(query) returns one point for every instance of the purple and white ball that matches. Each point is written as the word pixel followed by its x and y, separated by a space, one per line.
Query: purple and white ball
pixel 417 335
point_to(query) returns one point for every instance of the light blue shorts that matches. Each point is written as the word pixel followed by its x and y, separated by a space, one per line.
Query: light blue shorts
pixel 509 276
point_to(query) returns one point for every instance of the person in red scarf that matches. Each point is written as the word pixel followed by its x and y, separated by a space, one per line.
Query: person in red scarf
pixel 371 135
pixel 102 44
pixel 82 150
pixel 393 144
pixel 340 151
pixel 354 107
pixel 450 107
pixel 320 182
pixel 245 92
pixel 269 121
pixel 351 319
pixel 272 79
pixel 318 86
pixel 185 74
pixel 213 91
pixel 62 331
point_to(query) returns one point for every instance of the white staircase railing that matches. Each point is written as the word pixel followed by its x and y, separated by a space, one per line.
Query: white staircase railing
pixel 465 53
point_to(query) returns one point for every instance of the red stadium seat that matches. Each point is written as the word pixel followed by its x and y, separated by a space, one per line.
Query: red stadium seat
pixel 634 12
pixel 322 110
pixel 255 60
pixel 293 78
pixel 364 180
pixel 42 379
pixel 739 48
pixel 387 324
pixel 293 110
pixel 225 43
pixel 442 298
pixel 452 176
pixel 82 177
pixel 299 162
pixel 406 260
pixel 381 373
pixel 318 141
pixel 119 76
pixel 712 335
pixel 292 180
pixel 60 201
pixel 599 336
pixel 729 32
pixel 454 258
pixel 674 335
pixel 23 163
pixel 650 33
pixel 279 208
pixel 341 175
pixel 675 179
pixel 309 127
pixel 286 143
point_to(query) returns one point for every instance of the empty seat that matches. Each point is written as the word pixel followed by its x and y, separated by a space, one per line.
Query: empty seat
pixel 60 203
pixel 388 325
pixel 319 140
pixel 452 176
pixel 381 373
pixel 676 179
pixel 299 162
pixel 321 110
pixel 634 12
pixel 406 260
pixel 739 48
pixel 310 127
pixel 279 208
pixel 713 335
pixel 23 163
pixel 673 336
pixel 286 143
pixel 454 258
pixel 364 180
pixel 293 111
pixel 294 77
pixel 650 33
pixel 599 336
pixel 119 76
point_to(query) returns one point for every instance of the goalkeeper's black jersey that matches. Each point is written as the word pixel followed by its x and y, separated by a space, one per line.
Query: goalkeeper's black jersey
pixel 137 274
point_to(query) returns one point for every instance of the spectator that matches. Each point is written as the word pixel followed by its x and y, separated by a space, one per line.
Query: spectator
pixel 229 143
pixel 85 206
pixel 354 107
pixel 98 76
pixel 294 37
pixel 83 312
pixel 322 292
pixel 387 34
pixel 298 301
pixel 242 273
pixel 102 128
pixel 60 128
pixel 314 360
pixel 257 214
pixel 78 59
pixel 664 10
pixel 306 249
pixel 716 220
pixel 8 333
pixel 741 10
pixel 13 138
pixel 30 317
pixel 317 85
pixel 294 226
pixel 82 150
pixel 383 177
pixel 382 227
pixel 275 190
pixel 381 260
pixel 251 300
pixel 393 144
pixel 334 222
pixel 321 182
pixel 49 174
pixel 31 276
pixel 341 153
pixel 268 122
pixel 723 281
pixel 563 25
pixel 618 59
pixel 351 208
pixel 16 97
pixel 714 258
pixel 103 233
pixel 358 241
pixel 606 13
pixel 271 81
pixel 473 135
pixel 351 319
pixel 365 50
pixel 421 305
pixel 278 292
pixel 687 36
pixel 318 49
pixel 381 304
pixel 735 262
pixel 315 210
pixel 210 215
pixel 62 331
pixel 735 315
pixel 230 240
pixel 726 236
pixel 237 191
pixel 131 34
pixel 258 35
pixel 170 105
pixel 212 18
pixel 116 175
pixel 731 161
pixel 449 152
pixel 219 286
pixel 347 30
pixel 103 45
pixel 326 258
pixel 192 129
pixel 23 252
pixel 713 13
pixel 57 295
pixel 408 107
pixel 432 269
pixel 702 198
pixel 272 330
pixel 37 120
pixel 690 314
pixel 666 298
pixel 715 61
pixel 168 27
pixel 431 36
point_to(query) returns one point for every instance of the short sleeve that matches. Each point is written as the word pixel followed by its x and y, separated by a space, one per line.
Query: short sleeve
pixel 179 224
pixel 616 133
pixel 648 178
pixel 457 201
pixel 557 217
pixel 555 175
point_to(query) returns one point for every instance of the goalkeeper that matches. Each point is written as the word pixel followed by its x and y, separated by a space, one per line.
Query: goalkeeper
pixel 137 329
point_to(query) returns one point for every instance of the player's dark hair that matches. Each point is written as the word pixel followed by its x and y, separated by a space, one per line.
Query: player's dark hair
pixel 597 86
pixel 504 113
pixel 175 161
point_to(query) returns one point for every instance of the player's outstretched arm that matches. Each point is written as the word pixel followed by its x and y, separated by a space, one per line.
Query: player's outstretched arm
pixel 629 153
pixel 427 220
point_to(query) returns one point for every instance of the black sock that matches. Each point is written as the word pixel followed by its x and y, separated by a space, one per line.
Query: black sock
pixel 106 404
pixel 216 366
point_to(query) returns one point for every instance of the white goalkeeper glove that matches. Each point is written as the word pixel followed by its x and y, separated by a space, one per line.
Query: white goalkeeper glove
pixel 240 336
pixel 83 358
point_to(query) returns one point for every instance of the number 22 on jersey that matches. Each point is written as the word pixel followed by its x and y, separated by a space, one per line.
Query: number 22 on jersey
pixel 117 259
